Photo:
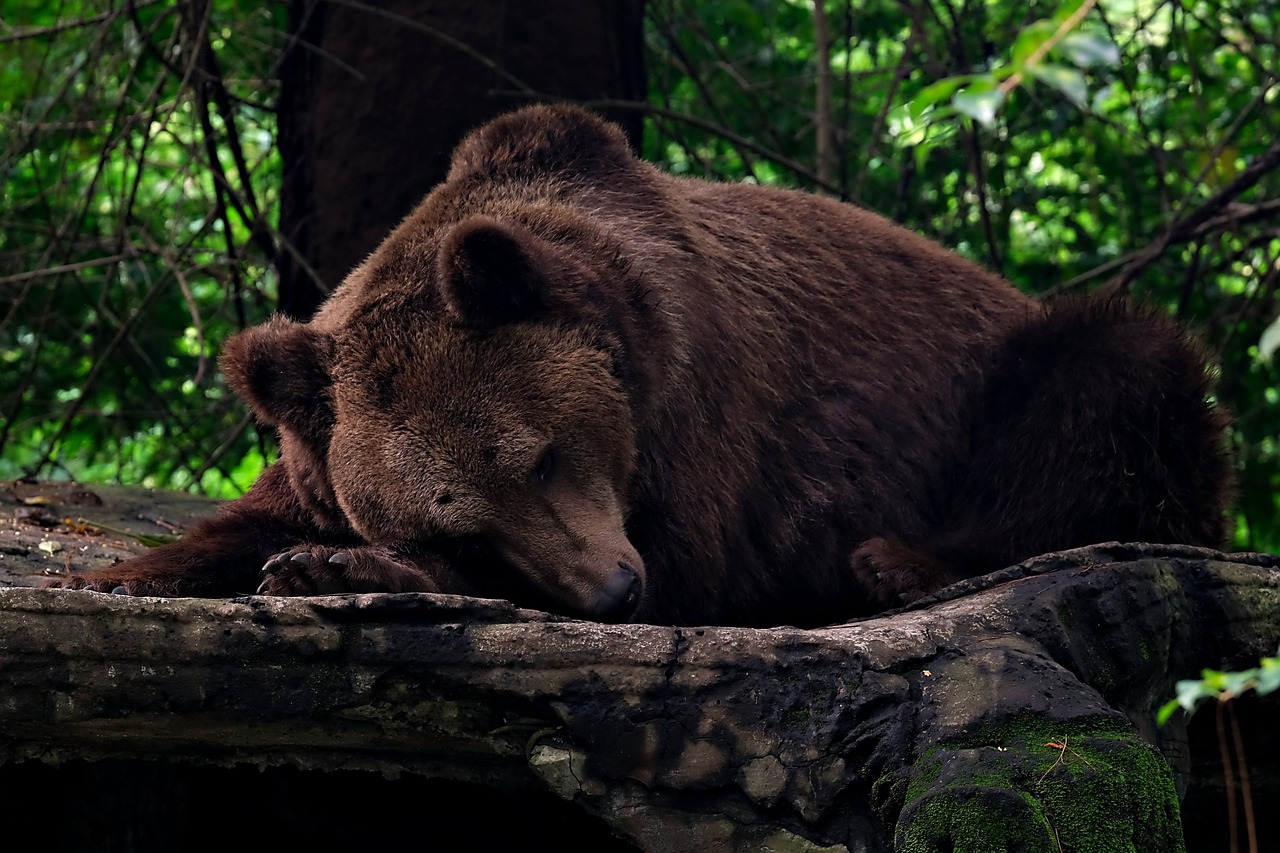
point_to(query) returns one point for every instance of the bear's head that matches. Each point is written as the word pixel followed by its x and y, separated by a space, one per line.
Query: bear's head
pixel 471 392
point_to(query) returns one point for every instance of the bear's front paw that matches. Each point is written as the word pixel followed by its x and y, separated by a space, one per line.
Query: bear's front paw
pixel 320 570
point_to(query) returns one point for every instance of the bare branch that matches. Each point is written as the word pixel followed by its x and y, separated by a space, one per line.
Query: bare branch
pixel 47 272
pixel 673 44
pixel 1234 215
pixel 64 26
pixel 877 129
pixel 979 172
pixel 1186 226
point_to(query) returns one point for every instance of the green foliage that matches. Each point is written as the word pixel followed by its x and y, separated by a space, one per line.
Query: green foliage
pixel 1222 686
pixel 980 96
pixel 123 261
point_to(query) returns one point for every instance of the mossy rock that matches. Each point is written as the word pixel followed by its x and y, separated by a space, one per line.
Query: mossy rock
pixel 1033 788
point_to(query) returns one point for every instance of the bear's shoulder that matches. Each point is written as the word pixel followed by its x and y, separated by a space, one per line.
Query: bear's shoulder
pixel 541 140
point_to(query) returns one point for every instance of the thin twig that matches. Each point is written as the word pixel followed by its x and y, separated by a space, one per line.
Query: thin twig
pixel 64 26
pixel 877 128
pixel 193 309
pixel 221 450
pixel 1246 791
pixel 1228 776
pixel 1236 214
pixel 45 272
pixel 677 50
pixel 976 165
pixel 755 106
pixel 91 378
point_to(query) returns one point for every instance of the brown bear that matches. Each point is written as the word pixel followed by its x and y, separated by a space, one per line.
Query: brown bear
pixel 574 381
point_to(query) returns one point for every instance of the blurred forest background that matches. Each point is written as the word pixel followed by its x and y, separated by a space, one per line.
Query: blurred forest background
pixel 176 170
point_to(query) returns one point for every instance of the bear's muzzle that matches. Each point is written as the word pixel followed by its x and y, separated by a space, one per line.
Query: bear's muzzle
pixel 619 597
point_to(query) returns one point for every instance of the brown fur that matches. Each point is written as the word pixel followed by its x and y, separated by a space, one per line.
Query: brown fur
pixel 577 382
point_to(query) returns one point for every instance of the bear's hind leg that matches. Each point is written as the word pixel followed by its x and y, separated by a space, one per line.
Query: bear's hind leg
pixel 1094 426
pixel 892 574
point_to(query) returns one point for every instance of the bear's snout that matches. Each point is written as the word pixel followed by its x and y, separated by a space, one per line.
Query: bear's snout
pixel 619 597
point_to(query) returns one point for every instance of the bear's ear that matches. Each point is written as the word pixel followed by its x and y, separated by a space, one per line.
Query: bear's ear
pixel 282 369
pixel 492 273
pixel 541 140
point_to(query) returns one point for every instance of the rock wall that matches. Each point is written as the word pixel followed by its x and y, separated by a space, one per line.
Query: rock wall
pixel 1015 711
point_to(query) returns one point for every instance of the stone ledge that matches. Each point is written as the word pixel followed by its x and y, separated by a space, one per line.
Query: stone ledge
pixel 891 732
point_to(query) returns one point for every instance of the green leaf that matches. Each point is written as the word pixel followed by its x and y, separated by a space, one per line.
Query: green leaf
pixel 1066 10
pixel 1270 341
pixel 1213 679
pixel 981 106
pixel 1214 684
pixel 1192 693
pixel 935 92
pixel 1089 49
pixel 1030 40
pixel 1068 81
pixel 1166 711
pixel 1268 676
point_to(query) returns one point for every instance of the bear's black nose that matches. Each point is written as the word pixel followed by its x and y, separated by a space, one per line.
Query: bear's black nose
pixel 619 597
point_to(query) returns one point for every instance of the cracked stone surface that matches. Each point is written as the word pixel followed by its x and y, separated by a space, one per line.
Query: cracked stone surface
pixel 1015 711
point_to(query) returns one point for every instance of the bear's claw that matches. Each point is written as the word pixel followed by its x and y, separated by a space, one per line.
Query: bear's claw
pixel 318 570
pixel 77 582
pixel 297 572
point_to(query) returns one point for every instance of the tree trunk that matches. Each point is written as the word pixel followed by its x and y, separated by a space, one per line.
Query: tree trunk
pixel 374 98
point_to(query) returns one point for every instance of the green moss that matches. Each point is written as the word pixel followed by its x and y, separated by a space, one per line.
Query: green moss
pixel 1015 787
pixel 976 819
